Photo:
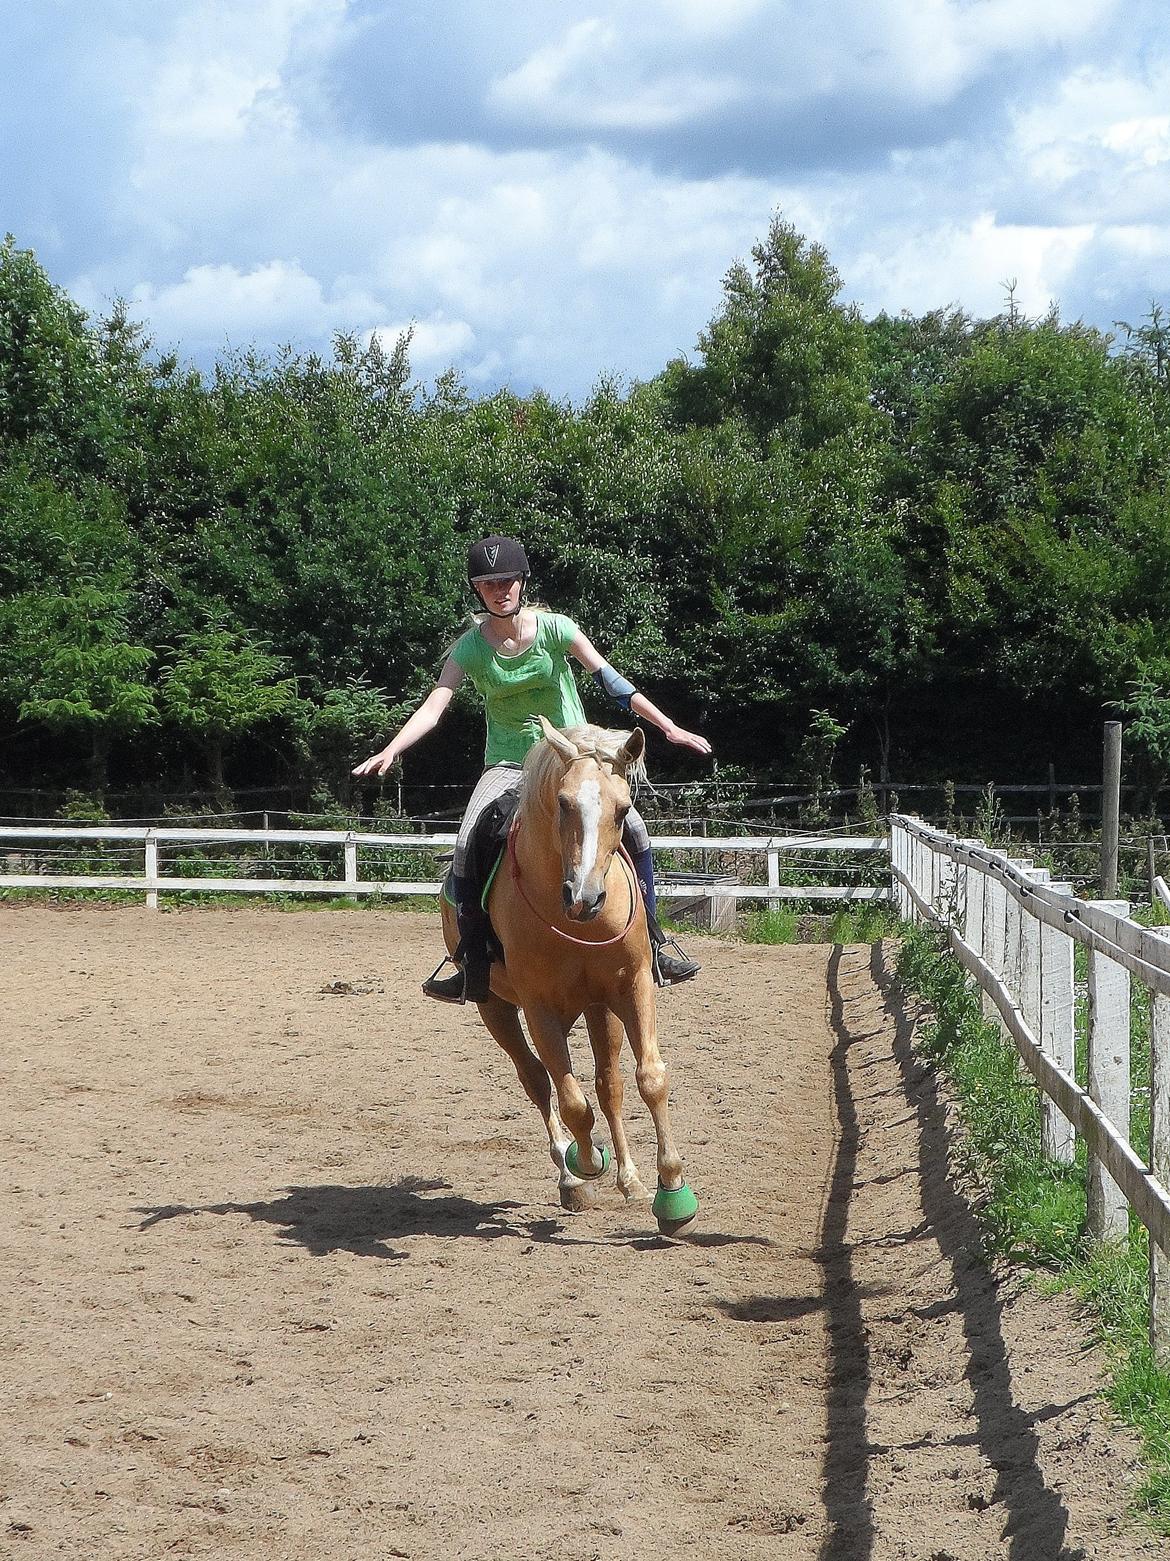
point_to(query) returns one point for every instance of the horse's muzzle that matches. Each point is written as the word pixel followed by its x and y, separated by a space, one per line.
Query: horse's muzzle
pixel 580 909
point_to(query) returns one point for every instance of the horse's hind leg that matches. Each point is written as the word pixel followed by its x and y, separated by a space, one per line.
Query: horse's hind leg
pixel 606 1036
pixel 503 1021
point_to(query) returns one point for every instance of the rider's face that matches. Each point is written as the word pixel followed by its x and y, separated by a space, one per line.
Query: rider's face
pixel 500 596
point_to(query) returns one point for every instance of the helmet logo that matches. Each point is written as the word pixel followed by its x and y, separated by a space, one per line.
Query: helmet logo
pixel 492 554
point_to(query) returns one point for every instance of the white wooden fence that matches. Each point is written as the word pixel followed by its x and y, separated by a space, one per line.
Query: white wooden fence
pixel 1013 930
pixel 20 843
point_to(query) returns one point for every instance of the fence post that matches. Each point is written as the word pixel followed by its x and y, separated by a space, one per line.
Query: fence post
pixel 1029 994
pixel 1110 808
pixel 1160 1165
pixel 973 882
pixel 1057 1034
pixel 351 872
pixel 1013 952
pixel 1107 1211
pixel 773 876
pixel 994 914
pixel 151 869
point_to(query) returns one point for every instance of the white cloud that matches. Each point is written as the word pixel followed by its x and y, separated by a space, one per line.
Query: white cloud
pixel 970 264
pixel 434 343
pixel 586 80
pixel 274 303
pixel 571 208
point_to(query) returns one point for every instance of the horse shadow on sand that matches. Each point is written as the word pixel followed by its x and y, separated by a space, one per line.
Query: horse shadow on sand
pixel 368 1220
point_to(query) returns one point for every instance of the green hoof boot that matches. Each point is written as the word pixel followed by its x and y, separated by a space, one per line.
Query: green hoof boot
pixel 573 1163
pixel 675 1209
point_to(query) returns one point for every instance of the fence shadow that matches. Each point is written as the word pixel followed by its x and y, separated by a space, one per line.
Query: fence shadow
pixel 1036 1519
pixel 846 1467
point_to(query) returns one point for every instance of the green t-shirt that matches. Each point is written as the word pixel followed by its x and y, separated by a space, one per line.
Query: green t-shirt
pixel 516 689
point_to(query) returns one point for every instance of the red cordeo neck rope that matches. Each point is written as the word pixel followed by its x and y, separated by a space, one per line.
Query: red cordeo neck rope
pixel 585 943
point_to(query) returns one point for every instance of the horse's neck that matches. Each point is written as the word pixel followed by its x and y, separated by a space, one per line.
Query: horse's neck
pixel 538 849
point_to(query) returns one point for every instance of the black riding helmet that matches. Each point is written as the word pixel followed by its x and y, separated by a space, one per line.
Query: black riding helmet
pixel 496 558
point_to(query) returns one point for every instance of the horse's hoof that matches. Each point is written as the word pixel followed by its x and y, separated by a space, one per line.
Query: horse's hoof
pixel 573 1163
pixel 675 1209
pixel 578 1197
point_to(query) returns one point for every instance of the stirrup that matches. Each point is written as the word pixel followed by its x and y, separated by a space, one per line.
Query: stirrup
pixel 674 967
pixel 452 989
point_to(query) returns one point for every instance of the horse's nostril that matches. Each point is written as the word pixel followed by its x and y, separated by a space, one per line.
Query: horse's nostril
pixel 567 893
pixel 601 899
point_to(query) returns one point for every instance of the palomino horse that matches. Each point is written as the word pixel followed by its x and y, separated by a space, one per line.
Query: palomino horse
pixel 565 906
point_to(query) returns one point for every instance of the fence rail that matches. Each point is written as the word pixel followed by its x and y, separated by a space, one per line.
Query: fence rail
pixel 15 842
pixel 1013 931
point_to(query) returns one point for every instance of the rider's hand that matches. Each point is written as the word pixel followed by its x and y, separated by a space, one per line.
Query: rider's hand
pixel 377 764
pixel 685 739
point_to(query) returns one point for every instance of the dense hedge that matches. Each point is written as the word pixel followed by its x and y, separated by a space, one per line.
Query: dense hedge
pixel 948 539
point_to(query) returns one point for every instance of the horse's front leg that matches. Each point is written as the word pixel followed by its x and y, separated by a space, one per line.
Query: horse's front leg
pixel 584 1162
pixel 503 1021
pixel 675 1205
pixel 606 1036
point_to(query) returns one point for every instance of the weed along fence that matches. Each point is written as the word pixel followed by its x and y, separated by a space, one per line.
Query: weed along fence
pixel 1015 931
pixel 332 862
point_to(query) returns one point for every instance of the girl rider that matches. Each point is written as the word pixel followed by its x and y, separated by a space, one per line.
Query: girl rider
pixel 516 657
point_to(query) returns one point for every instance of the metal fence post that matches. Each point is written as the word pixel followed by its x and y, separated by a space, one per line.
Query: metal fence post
pixel 1107 1211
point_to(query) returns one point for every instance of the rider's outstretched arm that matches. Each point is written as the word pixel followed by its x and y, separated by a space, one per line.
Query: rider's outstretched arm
pixel 424 720
pixel 623 691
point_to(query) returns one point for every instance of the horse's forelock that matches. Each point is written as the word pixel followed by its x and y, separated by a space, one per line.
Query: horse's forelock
pixel 543 766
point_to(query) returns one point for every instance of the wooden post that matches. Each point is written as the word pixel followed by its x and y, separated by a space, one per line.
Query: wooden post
pixel 1057 1034
pixel 1110 809
pixel 1150 863
pixel 773 876
pixel 1160 1165
pixel 994 917
pixel 151 868
pixel 971 904
pixel 351 872
pixel 1107 1211
pixel 1030 966
pixel 1013 952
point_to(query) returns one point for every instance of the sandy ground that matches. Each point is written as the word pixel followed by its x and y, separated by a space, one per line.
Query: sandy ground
pixel 284 1274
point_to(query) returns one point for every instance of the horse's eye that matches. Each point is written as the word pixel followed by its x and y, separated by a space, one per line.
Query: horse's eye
pixel 563 804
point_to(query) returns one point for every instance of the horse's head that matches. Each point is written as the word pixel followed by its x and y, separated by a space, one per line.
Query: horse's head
pixel 590 792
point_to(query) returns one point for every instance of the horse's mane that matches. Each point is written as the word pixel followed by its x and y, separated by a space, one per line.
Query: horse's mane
pixel 543 766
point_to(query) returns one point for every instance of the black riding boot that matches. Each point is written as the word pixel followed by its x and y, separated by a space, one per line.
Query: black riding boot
pixel 471 982
pixel 669 968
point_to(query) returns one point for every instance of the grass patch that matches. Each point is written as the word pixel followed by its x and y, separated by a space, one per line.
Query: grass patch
pixel 779 926
pixel 1034 1211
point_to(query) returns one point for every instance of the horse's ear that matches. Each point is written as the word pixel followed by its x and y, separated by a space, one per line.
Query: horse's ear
pixel 632 749
pixel 557 741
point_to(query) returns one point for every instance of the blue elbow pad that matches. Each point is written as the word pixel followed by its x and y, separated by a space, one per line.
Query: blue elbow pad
pixel 619 689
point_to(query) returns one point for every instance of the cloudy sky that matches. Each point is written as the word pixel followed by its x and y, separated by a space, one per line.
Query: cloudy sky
pixel 551 191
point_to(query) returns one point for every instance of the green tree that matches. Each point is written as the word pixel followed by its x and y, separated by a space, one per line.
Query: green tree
pixel 81 671
pixel 220 686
